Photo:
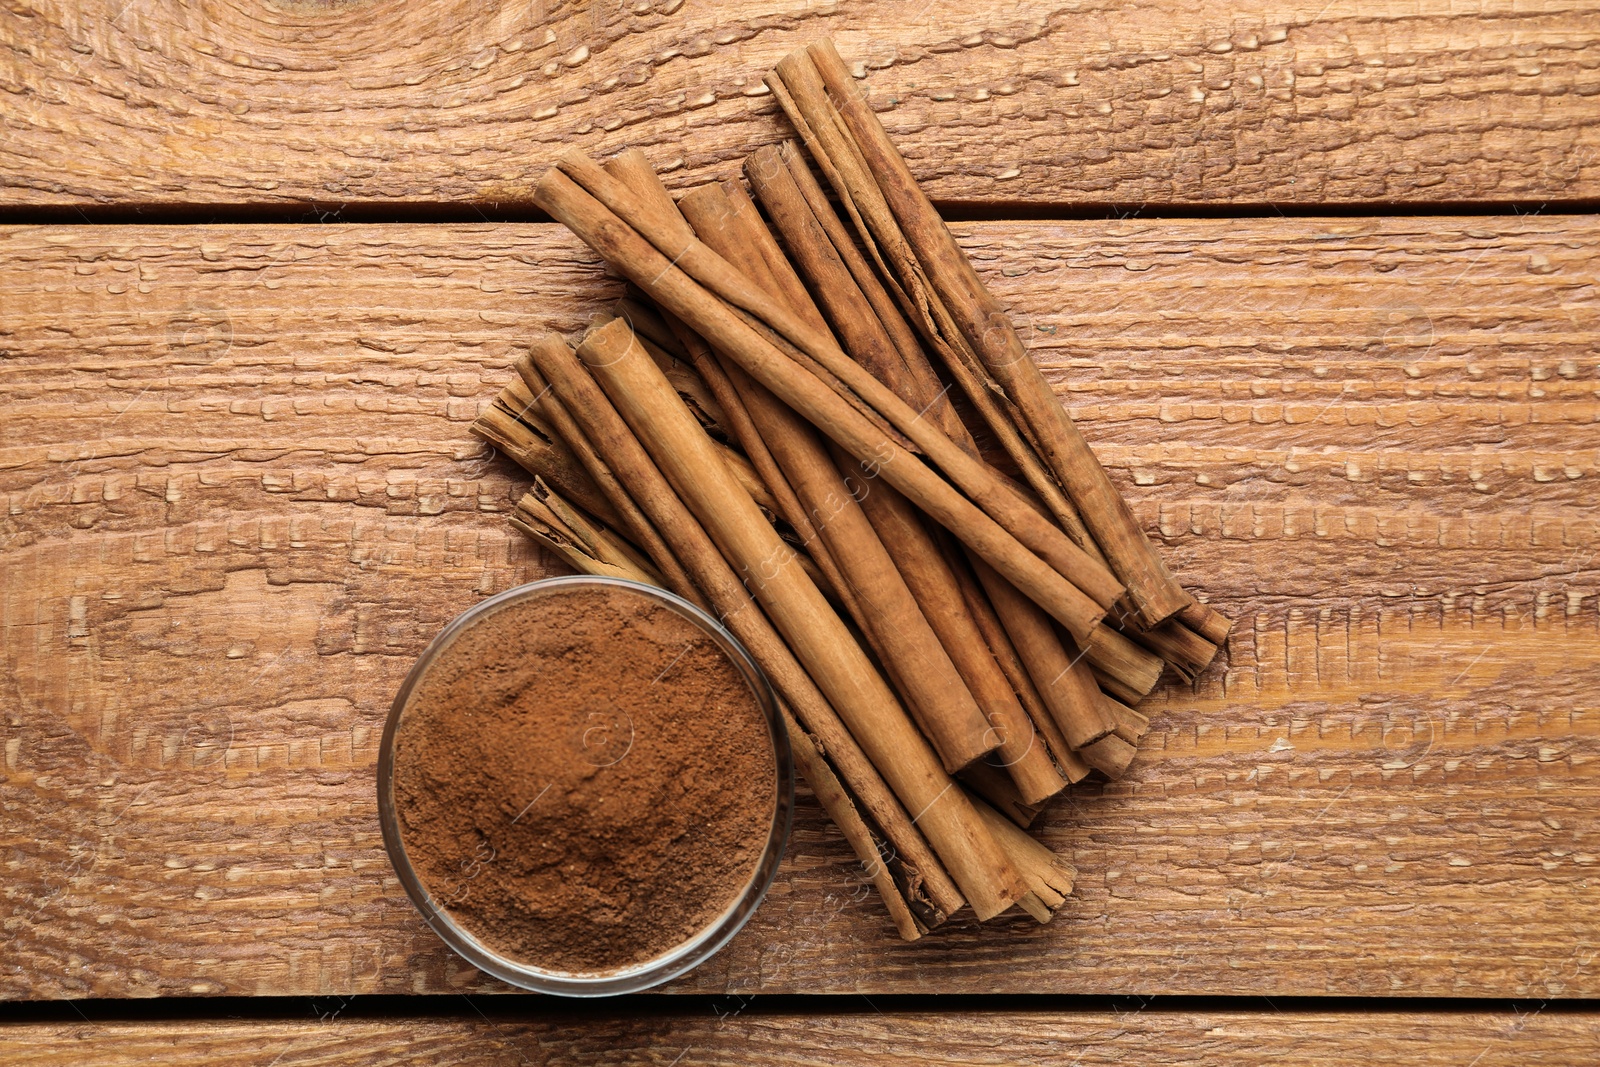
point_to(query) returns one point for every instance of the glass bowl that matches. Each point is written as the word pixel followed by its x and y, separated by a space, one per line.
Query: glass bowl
pixel 675 961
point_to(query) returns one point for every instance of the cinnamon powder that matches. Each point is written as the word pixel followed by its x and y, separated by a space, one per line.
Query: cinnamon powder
pixel 584 779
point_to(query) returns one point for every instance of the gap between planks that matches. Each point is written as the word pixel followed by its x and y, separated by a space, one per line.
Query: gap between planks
pixel 180 214
pixel 844 1031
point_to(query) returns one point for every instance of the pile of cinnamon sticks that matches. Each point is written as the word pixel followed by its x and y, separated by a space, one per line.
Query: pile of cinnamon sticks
pixel 782 423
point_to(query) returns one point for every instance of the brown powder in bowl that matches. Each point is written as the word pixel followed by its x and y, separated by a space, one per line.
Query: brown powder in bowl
pixel 583 779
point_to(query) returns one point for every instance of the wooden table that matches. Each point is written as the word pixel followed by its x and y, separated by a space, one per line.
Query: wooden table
pixel 1318 279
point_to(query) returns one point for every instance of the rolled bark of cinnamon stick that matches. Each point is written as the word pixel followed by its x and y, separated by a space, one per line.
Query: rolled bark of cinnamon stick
pixel 856 300
pixel 836 801
pixel 1110 755
pixel 581 541
pixel 732 603
pixel 860 330
pixel 1177 644
pixel 935 692
pixel 1021 752
pixel 1135 668
pixel 818 638
pixel 1207 621
pixel 733 335
pixel 510 425
pixel 1062 677
pixel 763 262
pixel 859 323
pixel 786 504
pixel 1131 725
pixel 917 556
pixel 998 788
pixel 677 251
pixel 648 322
pixel 1050 877
pixel 948 273
pixel 838 158
pixel 633 521
pixel 672 363
pixel 1116 688
pixel 750 478
pixel 778 176
pixel 885 607
pixel 1067 762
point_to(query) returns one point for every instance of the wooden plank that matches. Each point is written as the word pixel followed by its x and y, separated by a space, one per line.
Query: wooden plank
pixel 735 1032
pixel 240 497
pixel 139 102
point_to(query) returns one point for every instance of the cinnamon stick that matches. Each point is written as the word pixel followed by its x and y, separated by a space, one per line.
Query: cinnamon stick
pixel 1136 669
pixel 1062 677
pixel 869 325
pixel 786 505
pixel 946 273
pixel 1110 755
pixel 762 261
pixel 911 923
pixel 752 480
pixel 901 366
pixel 861 331
pixel 810 347
pixel 727 221
pixel 929 389
pixel 1050 877
pixel 650 324
pixel 911 652
pixel 733 335
pixel 999 643
pixel 837 156
pixel 1206 621
pixel 818 638
pixel 633 521
pixel 582 542
pixel 610 436
pixel 767 170
pixel 511 427
pixel 1131 725
pixel 994 785
pixel 1177 644
pixel 1021 752
pixel 1116 688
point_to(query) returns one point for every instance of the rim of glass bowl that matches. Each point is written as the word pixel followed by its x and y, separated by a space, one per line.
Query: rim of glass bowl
pixel 670 964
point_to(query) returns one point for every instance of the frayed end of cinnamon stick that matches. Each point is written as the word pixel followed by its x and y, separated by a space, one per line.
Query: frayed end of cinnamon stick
pixel 1110 755
pixel 1136 669
pixel 1208 622
pixel 1049 877
pixel 1131 725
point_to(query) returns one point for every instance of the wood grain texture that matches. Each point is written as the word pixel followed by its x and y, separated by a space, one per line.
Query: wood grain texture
pixel 240 497
pixel 734 1032
pixel 139 102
